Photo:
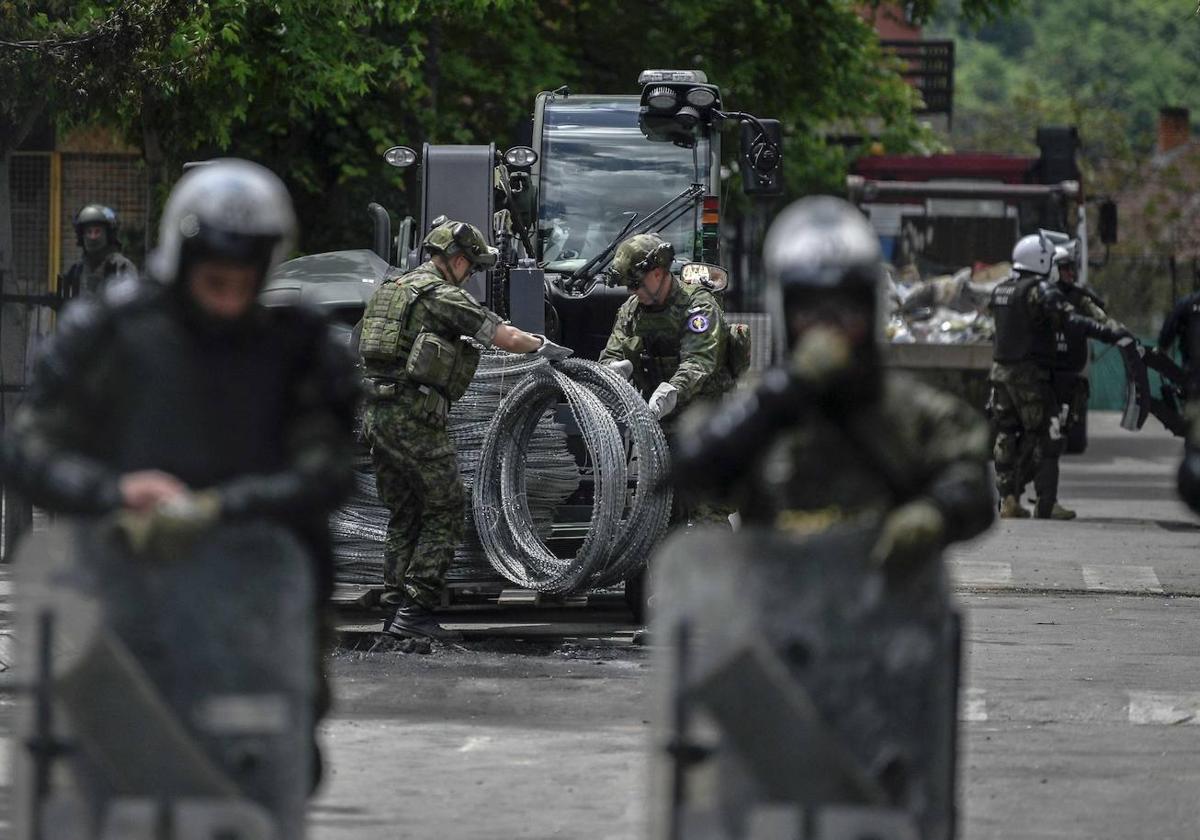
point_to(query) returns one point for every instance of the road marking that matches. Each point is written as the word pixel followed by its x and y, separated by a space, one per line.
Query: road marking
pixel 975 708
pixel 1121 579
pixel 1164 709
pixel 5 587
pixel 6 756
pixel 981 573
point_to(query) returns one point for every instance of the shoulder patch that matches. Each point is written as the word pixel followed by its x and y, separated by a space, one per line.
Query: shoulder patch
pixel 698 323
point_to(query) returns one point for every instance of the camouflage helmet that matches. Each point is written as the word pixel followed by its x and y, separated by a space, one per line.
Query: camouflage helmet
pixel 95 214
pixel 639 255
pixel 451 238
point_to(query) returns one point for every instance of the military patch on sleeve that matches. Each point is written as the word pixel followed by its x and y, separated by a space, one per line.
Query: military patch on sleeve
pixel 698 323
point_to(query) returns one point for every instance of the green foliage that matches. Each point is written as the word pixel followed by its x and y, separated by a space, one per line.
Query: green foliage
pixel 1110 63
pixel 318 89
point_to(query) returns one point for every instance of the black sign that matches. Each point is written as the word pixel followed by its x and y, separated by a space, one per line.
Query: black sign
pixel 929 67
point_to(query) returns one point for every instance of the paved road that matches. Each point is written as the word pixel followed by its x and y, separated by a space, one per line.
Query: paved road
pixel 1081 712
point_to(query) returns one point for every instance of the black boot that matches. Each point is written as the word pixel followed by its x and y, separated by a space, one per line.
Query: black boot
pixel 414 620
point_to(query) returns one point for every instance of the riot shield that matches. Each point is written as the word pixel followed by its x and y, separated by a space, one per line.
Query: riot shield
pixel 802 693
pixel 164 697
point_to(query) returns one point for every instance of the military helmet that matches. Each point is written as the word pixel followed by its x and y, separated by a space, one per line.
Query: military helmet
pixel 96 214
pixel 638 255
pixel 228 210
pixel 451 238
pixel 1033 254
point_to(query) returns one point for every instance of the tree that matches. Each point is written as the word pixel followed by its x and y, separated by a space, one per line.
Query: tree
pixel 317 89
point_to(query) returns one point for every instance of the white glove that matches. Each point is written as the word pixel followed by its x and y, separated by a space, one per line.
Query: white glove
pixel 662 401
pixel 551 351
pixel 623 367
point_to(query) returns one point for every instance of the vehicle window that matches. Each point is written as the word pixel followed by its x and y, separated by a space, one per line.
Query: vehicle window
pixel 597 166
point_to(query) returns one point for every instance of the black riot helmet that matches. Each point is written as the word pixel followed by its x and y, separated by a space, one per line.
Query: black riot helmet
pixel 96 214
pixel 822 257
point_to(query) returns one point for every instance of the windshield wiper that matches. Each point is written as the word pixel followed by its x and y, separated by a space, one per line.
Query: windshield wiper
pixel 599 262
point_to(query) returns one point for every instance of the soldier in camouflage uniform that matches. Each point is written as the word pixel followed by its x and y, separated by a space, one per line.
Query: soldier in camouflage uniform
pixel 671 340
pixel 1069 380
pixel 96 228
pixel 834 438
pixel 669 337
pixel 1029 310
pixel 419 337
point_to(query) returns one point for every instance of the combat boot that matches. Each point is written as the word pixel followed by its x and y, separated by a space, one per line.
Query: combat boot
pixel 1056 511
pixel 1010 508
pixel 413 620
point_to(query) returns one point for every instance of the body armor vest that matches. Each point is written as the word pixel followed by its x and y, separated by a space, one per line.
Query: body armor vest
pixel 397 344
pixel 1018 337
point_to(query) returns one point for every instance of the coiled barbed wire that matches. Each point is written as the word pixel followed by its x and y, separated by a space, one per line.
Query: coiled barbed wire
pixel 513 453
pixel 617 542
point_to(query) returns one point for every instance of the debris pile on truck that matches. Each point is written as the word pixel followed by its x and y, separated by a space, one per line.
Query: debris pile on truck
pixel 949 309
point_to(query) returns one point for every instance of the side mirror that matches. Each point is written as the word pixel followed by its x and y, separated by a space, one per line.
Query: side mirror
pixel 762 157
pixel 1108 221
pixel 711 277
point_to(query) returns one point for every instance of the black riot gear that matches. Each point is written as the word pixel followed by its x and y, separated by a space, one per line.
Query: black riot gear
pixel 1018 338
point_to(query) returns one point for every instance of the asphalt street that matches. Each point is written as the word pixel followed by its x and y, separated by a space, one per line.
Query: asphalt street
pixel 1081 712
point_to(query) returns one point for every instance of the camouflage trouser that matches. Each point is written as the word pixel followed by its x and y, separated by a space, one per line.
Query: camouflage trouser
pixel 1024 413
pixel 417 475
pixel 1070 400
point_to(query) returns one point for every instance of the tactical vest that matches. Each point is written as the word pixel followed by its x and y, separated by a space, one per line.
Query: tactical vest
pixel 1018 338
pixel 396 344
pixel 1070 340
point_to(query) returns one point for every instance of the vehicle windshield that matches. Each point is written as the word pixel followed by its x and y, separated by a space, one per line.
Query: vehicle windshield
pixel 596 167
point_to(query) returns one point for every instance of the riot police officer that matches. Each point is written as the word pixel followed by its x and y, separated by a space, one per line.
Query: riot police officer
pixel 850 479
pixel 1029 311
pixel 669 337
pixel 1068 379
pixel 418 344
pixel 174 406
pixel 832 437
pixel 96 228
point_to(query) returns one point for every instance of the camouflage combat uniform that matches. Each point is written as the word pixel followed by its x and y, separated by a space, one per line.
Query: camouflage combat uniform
pixel 416 469
pixel 684 342
pixel 832 468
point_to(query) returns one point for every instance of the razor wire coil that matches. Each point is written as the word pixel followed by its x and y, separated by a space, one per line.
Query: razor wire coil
pixel 517 470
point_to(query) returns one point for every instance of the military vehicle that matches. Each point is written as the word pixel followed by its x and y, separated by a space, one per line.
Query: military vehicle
pixel 600 168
